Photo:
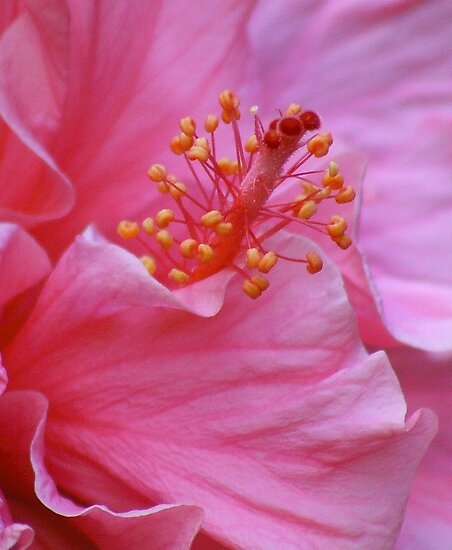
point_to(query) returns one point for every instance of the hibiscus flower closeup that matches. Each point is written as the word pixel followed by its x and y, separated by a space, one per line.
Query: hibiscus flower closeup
pixel 152 404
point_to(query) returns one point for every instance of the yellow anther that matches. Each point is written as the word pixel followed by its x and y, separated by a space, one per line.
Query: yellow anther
pixel 347 194
pixel 188 126
pixel 315 263
pixel 333 182
pixel 163 187
pixel 148 226
pixel 234 167
pixel 185 142
pixel 164 238
pixel 202 142
pixel 344 241
pixel 177 190
pixel 176 146
pixel 198 153
pixel 226 117
pixel 260 281
pixel 228 101
pixel 149 264
pixel 188 248
pixel 267 261
pixel 251 289
pixel 164 217
pixel 320 145
pixel 157 172
pixel 308 209
pixel 223 228
pixel 205 253
pixel 253 256
pixel 225 165
pixel 200 150
pixel 333 169
pixel 309 188
pixel 251 145
pixel 210 219
pixel 178 276
pixel 299 198
pixel 323 194
pixel 128 230
pixel 293 109
pixel 211 123
pixel 337 226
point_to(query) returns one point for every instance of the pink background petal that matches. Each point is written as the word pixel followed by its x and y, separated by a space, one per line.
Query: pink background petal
pixel 22 262
pixel 380 75
pixel 33 57
pixel 427 379
pixel 130 78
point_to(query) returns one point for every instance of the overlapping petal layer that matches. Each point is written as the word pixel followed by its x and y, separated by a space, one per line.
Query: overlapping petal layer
pixel 60 522
pixel 427 379
pixel 271 417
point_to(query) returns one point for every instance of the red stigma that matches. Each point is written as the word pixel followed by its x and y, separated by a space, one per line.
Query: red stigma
pixel 272 139
pixel 310 120
pixel 291 126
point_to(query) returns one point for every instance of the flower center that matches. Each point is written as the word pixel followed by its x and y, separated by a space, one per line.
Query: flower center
pixel 206 230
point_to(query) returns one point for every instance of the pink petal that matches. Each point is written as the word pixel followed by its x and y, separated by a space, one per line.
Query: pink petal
pixel 22 262
pixel 398 111
pixel 12 535
pixel 32 57
pixel 428 521
pixel 269 415
pixel 22 421
pixel 128 78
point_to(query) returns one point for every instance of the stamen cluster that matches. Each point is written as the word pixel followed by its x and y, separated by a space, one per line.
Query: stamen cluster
pixel 226 219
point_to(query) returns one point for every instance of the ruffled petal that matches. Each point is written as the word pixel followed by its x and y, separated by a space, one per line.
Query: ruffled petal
pixel 58 521
pixel 269 415
pixel 427 379
pixel 33 56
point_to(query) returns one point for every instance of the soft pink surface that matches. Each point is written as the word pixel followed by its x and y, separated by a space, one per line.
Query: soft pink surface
pixel 380 75
pixel 22 422
pixel 22 262
pixel 427 379
pixel 32 57
pixel 270 416
pixel 12 534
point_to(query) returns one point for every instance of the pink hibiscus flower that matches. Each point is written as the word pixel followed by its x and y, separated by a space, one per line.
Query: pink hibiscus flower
pixel 55 140
pixel 273 419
